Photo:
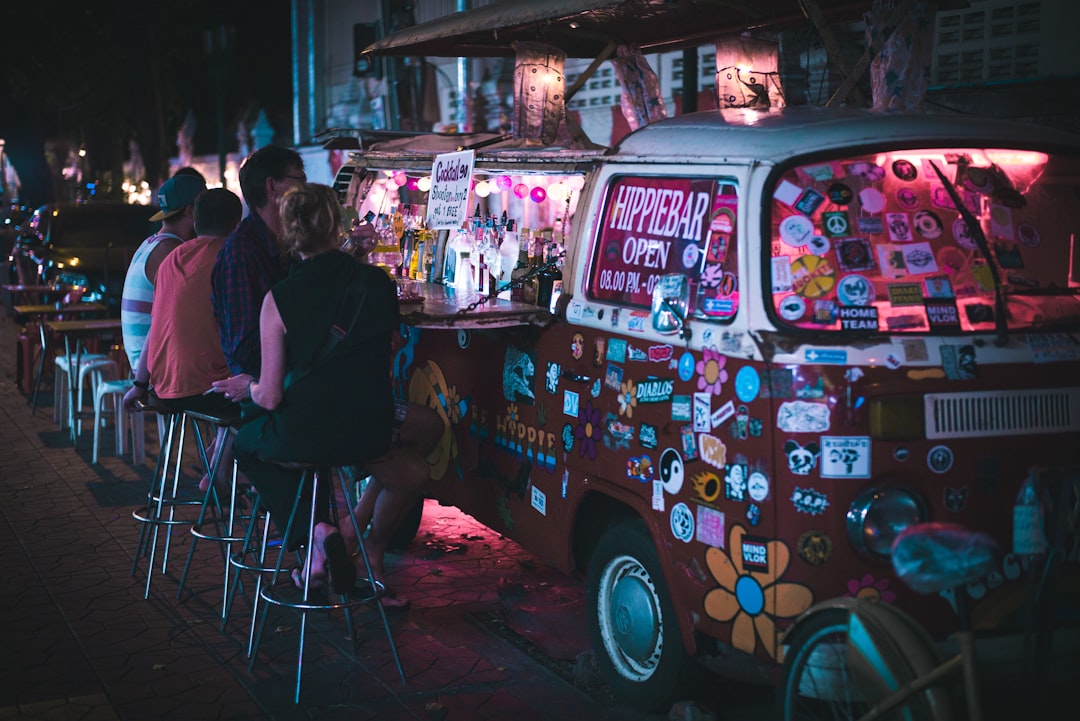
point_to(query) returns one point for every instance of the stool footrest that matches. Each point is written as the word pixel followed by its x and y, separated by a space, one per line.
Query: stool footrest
pixel 348 601
pixel 149 519
pixel 199 533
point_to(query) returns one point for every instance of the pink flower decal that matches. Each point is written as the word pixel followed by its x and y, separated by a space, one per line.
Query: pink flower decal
pixel 711 373
pixel 871 588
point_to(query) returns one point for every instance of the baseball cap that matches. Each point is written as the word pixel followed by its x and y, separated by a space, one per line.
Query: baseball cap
pixel 177 193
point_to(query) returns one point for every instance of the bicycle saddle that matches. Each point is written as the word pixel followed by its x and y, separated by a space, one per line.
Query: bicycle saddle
pixel 930 557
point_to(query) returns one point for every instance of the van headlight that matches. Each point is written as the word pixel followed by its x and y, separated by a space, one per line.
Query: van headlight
pixel 878 514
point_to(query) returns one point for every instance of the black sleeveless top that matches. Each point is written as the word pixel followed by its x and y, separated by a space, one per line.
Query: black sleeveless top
pixel 342 411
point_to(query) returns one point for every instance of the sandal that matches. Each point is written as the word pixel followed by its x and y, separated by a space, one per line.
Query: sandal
pixel 339 566
pixel 394 603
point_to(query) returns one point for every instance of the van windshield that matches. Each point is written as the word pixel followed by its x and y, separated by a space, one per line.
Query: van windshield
pixel 928 241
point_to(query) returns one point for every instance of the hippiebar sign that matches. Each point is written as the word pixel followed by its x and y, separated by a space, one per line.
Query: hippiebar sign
pixel 651 226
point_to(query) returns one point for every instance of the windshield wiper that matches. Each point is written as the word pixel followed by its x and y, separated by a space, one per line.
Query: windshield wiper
pixel 1001 325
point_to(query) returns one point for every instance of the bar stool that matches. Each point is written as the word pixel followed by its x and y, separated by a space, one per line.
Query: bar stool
pixel 367 591
pixel 223 521
pixel 162 497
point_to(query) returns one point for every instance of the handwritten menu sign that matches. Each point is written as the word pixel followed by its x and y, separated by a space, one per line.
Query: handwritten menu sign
pixel 451 180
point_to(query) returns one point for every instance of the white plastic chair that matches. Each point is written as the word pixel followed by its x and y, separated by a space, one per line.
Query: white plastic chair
pixel 112 392
pixel 98 366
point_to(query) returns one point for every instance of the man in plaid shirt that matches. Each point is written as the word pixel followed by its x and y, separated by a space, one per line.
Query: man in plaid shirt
pixel 251 261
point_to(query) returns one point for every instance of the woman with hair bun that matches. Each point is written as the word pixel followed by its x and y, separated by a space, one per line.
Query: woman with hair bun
pixel 340 412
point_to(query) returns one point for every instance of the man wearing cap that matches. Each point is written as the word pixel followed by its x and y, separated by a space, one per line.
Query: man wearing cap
pixel 175 199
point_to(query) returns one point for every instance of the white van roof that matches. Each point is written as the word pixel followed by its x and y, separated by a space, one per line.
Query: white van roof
pixel 774 136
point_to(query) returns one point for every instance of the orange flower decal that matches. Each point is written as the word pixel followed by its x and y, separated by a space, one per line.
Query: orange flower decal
pixel 751 599
pixel 628 398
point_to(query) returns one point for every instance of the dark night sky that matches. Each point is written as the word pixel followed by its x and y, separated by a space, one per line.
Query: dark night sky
pixel 102 73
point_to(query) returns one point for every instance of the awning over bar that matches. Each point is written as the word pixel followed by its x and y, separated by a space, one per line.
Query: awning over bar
pixel 583 28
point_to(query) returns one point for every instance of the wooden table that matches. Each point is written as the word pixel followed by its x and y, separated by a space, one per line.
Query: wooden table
pixel 51 309
pixel 78 331
pixel 18 293
pixel 443 307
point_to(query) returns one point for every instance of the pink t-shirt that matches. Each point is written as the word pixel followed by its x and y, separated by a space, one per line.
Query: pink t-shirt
pixel 184 348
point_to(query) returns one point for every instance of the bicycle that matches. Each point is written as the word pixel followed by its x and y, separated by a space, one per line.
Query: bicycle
pixel 862 660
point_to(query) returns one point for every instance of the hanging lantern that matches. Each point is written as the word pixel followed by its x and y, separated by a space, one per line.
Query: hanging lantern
pixel 482 189
pixel 539 86
pixel 424 184
pixel 521 190
pixel 504 182
pixel 538 194
pixel 558 191
pixel 747 74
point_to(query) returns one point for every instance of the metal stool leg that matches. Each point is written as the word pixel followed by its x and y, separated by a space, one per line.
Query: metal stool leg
pixel 316 475
pixel 223 536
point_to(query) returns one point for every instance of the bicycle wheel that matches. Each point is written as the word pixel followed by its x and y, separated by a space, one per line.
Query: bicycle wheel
pixel 819 681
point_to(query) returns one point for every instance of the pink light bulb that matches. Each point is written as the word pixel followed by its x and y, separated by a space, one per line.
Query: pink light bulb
pixel 538 194
pixel 400 179
pixel 521 190
pixel 504 182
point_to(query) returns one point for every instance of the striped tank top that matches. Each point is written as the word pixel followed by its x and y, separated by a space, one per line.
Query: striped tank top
pixel 138 299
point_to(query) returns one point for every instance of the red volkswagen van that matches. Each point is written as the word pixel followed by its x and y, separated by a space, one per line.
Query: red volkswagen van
pixel 782 338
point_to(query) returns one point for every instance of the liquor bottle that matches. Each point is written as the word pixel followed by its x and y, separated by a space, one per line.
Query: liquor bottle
pixel 508 255
pixel 548 277
pixel 458 243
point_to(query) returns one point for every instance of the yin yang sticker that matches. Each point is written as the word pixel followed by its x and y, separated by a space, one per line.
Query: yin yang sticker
pixel 671 470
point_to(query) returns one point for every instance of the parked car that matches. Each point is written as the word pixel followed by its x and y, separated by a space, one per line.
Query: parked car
pixel 86 244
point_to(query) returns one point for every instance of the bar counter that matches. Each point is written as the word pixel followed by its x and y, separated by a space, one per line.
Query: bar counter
pixel 443 307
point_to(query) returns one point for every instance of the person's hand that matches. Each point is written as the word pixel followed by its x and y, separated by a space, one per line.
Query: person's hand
pixel 133 396
pixel 235 388
pixel 363 239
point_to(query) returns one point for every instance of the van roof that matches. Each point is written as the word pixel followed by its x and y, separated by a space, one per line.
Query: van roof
pixel 776 135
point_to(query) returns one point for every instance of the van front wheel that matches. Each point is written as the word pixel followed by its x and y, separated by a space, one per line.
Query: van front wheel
pixel 632 620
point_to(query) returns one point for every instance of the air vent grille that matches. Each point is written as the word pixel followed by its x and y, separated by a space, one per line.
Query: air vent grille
pixel 981 414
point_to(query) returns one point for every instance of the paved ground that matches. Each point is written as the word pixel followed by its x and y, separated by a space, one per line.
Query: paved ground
pixel 492 632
